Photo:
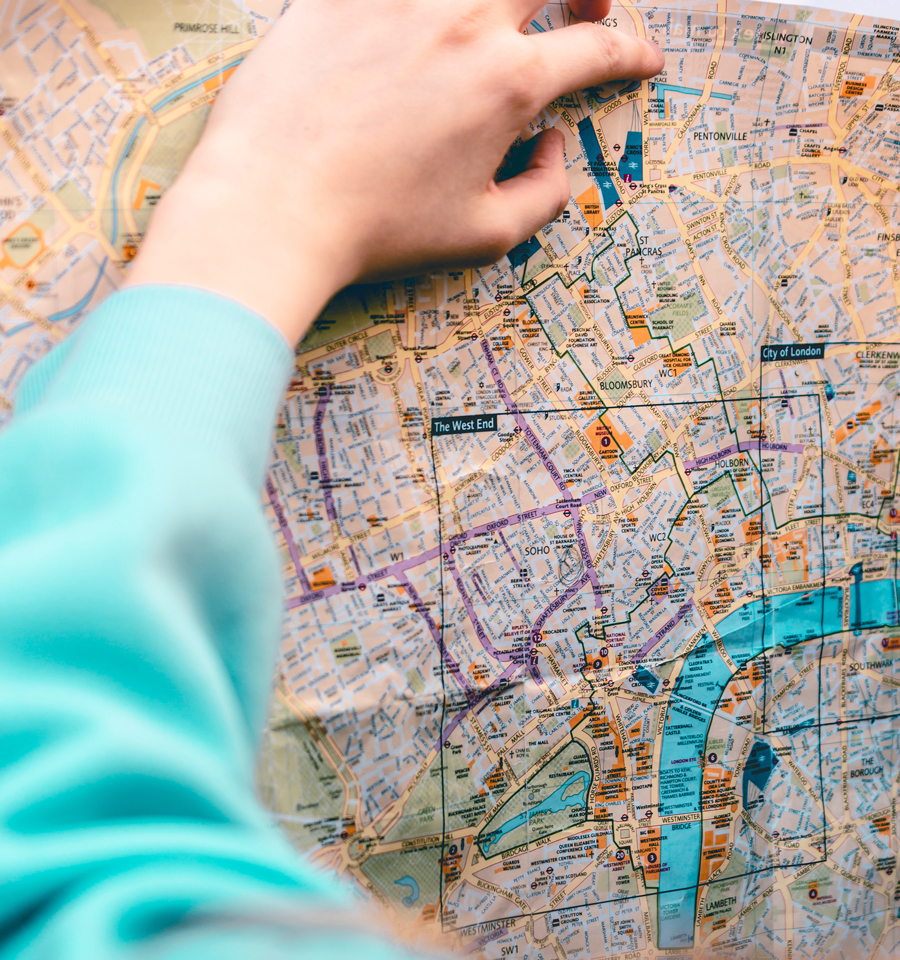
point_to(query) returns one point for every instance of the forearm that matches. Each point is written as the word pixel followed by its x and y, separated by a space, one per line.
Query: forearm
pixel 140 607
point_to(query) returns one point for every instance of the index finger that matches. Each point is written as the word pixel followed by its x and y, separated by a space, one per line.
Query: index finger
pixel 587 54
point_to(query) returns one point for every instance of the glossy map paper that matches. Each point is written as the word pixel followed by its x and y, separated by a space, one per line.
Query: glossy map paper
pixel 591 644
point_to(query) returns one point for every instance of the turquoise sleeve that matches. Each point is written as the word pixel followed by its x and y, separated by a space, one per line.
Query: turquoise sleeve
pixel 140 611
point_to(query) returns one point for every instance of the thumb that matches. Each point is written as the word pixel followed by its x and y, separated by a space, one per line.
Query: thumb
pixel 537 195
pixel 590 9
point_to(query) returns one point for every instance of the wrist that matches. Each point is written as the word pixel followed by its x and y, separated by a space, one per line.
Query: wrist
pixel 237 243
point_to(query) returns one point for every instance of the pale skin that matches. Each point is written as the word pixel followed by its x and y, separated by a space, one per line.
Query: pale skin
pixel 361 139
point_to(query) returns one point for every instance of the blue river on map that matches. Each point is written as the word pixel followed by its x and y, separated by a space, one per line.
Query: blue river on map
pixel 761 625
pixel 552 804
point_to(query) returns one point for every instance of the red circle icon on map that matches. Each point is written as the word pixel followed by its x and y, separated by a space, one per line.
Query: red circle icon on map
pixel 617 147
pixel 604 609
pixel 567 513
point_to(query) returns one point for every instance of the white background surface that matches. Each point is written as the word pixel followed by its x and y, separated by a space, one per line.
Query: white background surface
pixel 872 8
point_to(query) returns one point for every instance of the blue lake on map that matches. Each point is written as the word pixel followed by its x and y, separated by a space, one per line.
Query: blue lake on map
pixel 413 887
pixel 786 620
pixel 562 797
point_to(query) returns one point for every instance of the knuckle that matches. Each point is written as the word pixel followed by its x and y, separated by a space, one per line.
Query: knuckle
pixel 466 25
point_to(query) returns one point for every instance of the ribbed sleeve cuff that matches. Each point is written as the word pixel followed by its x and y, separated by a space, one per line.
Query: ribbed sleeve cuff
pixel 187 359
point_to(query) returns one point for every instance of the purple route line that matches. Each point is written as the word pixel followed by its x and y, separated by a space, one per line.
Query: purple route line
pixel 512 556
pixel 475 698
pixel 355 561
pixel 556 603
pixel 750 446
pixel 504 678
pixel 324 471
pixel 586 559
pixel 401 566
pixel 286 533
pixel 448 659
pixel 548 463
pixel 522 423
pixel 535 637
pixel 482 942
pixel 657 637
pixel 398 569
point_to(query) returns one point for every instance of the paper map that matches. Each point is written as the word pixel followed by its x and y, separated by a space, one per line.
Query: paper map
pixel 592 645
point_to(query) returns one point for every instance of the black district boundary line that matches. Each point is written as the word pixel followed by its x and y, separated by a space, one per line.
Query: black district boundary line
pixel 602 408
pixel 791 355
pixel 785 394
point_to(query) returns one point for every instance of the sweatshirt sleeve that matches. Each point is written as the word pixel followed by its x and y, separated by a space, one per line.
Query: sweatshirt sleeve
pixel 140 610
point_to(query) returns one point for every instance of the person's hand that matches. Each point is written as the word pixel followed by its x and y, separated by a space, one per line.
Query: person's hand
pixel 361 139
